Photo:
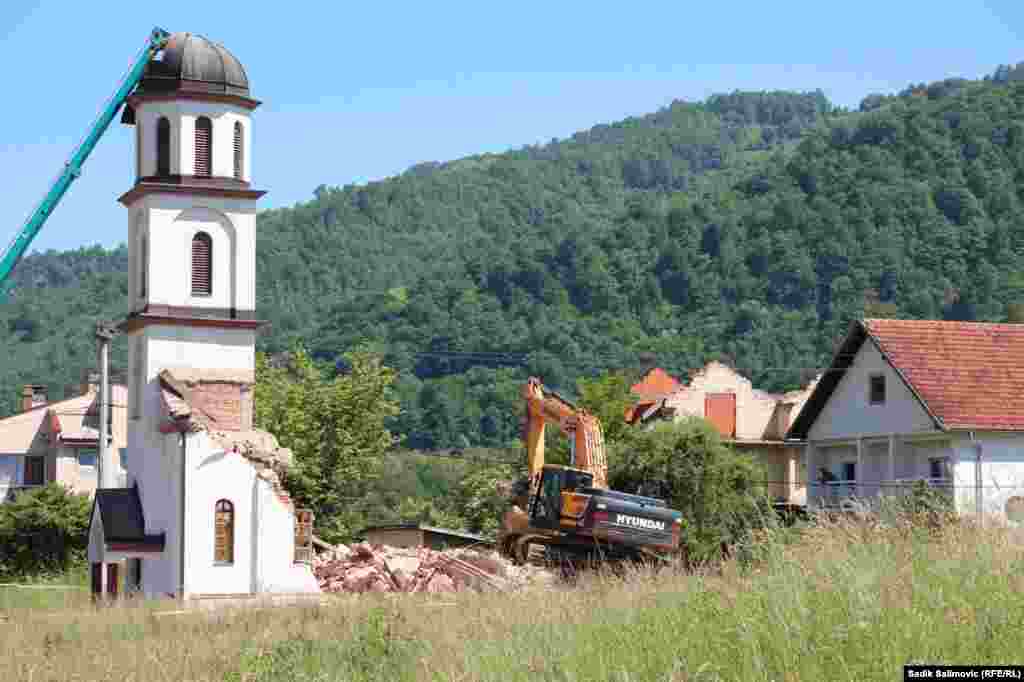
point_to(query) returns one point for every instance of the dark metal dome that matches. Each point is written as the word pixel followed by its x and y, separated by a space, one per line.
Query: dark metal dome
pixel 192 63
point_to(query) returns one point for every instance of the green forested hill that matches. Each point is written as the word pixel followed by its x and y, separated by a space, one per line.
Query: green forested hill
pixel 752 226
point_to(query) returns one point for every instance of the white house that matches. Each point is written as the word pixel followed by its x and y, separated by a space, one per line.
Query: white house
pixel 58 441
pixel 203 512
pixel 920 400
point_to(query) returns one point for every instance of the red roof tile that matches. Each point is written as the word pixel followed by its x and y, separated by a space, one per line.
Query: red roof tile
pixel 656 383
pixel 968 374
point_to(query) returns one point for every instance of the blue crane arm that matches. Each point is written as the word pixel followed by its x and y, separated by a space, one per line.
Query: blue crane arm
pixel 14 252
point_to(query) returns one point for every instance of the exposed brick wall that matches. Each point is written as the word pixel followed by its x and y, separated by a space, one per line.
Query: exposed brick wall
pixel 224 402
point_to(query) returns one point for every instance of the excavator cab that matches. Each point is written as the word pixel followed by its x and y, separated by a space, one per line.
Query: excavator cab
pixel 558 498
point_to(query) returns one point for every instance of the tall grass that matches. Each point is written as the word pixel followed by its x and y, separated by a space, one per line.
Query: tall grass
pixel 843 601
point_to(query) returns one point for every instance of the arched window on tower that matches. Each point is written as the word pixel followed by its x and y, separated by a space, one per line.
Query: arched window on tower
pixel 163 147
pixel 202 264
pixel 224 532
pixel 204 146
pixel 143 259
pixel 239 142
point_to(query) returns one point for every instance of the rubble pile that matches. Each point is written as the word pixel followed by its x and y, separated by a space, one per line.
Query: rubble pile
pixel 377 568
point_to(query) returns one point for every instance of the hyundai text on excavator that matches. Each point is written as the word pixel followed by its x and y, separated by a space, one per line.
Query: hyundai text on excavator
pixel 569 509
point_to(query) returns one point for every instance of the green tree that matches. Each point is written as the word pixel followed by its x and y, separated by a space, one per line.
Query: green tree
pixel 607 397
pixel 720 492
pixel 335 426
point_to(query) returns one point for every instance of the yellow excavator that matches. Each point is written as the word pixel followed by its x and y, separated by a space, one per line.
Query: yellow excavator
pixel 569 509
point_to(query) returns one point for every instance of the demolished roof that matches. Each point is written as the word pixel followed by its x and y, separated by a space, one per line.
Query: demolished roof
pixel 178 383
pixel 656 383
pixel 258 447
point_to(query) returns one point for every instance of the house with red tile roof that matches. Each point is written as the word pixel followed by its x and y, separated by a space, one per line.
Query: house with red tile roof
pixel 750 420
pixel 920 400
pixel 58 441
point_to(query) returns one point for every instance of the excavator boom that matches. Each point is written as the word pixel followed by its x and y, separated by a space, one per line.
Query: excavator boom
pixel 570 509
pixel 18 246
pixel 582 428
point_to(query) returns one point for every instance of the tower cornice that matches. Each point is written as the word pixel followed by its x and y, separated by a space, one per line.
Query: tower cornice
pixel 190 316
pixel 196 95
pixel 191 185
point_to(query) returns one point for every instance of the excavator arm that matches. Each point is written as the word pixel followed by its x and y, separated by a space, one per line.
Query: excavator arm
pixel 570 510
pixel 14 252
pixel 582 428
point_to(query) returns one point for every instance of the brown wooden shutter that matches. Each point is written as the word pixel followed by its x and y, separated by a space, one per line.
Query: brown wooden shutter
pixel 224 533
pixel 97 578
pixel 34 471
pixel 112 579
pixel 303 535
pixel 720 410
pixel 239 159
pixel 204 144
pixel 202 254
pixel 163 147
pixel 144 263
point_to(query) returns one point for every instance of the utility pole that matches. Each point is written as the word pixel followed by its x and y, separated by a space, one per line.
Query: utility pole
pixel 105 332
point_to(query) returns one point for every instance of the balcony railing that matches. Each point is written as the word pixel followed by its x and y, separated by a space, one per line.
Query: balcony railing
pixel 839 493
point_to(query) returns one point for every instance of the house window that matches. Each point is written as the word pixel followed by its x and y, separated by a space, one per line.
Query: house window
pixel 204 144
pixel 224 533
pixel 202 264
pixel 34 471
pixel 163 147
pixel 938 467
pixel 87 458
pixel 239 141
pixel 849 470
pixel 877 391
pixel 122 454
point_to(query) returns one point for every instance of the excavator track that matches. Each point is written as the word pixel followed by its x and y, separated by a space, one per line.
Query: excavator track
pixel 546 552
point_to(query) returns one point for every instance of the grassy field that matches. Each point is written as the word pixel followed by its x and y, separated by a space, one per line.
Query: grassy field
pixel 60 591
pixel 843 602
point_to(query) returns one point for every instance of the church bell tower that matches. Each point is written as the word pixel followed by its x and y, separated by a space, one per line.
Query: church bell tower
pixel 192 220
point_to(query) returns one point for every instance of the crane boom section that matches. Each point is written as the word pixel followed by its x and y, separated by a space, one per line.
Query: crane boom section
pixel 582 429
pixel 14 252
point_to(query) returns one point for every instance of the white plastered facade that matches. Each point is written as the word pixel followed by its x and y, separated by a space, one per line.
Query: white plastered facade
pixel 182 116
pixel 181 476
pixel 890 445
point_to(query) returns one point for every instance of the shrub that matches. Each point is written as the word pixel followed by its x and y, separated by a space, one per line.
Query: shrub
pixel 925 506
pixel 43 530
pixel 719 491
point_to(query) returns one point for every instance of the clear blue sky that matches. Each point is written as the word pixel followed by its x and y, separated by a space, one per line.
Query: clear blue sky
pixel 359 91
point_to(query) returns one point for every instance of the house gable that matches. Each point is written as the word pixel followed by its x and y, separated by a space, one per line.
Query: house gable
pixel 753 408
pixel 846 411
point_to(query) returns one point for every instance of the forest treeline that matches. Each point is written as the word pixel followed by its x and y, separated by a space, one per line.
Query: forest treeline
pixel 750 227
